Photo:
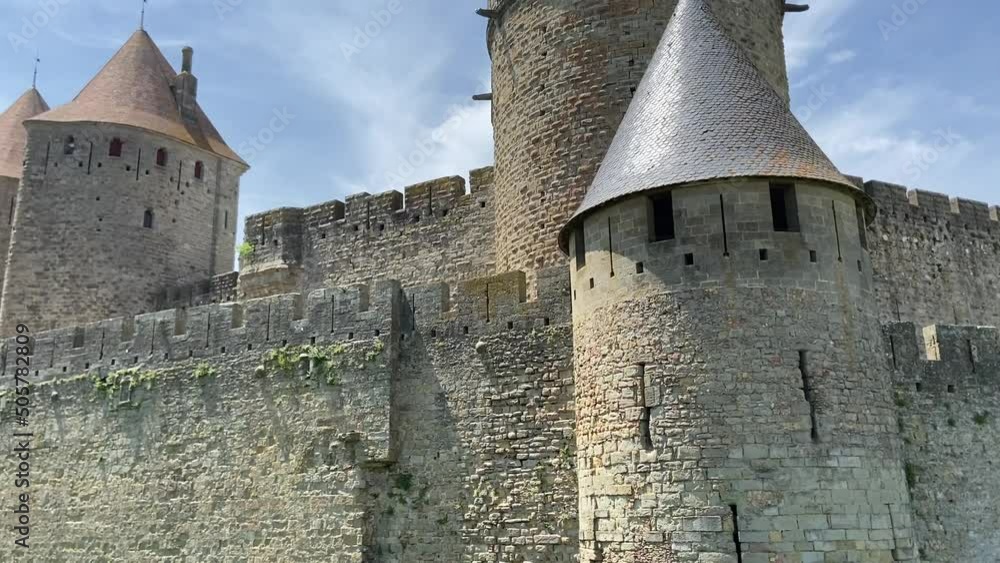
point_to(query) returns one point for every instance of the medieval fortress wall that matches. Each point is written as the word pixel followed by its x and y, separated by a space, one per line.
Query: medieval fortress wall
pixel 436 230
pixel 431 423
pixel 422 376
pixel 474 385
pixel 936 257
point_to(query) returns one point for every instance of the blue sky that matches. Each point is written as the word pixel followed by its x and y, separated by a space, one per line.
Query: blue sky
pixel 898 90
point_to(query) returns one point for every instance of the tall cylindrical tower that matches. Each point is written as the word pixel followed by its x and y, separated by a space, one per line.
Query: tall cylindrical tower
pixel 12 141
pixel 732 402
pixel 128 190
pixel 564 72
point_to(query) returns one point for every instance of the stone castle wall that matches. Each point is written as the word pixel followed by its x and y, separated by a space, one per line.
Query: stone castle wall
pixel 432 231
pixel 80 224
pixel 234 465
pixel 475 457
pixel 947 383
pixel 451 440
pixel 563 76
pixel 935 257
pixel 8 200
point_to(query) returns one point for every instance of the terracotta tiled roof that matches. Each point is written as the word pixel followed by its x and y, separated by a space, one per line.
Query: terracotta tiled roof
pixel 13 136
pixel 703 112
pixel 133 89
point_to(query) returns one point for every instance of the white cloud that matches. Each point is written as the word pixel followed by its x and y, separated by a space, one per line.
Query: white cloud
pixel 387 94
pixel 812 31
pixel 874 136
pixel 842 56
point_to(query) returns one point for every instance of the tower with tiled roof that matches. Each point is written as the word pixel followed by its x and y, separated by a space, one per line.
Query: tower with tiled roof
pixel 732 402
pixel 128 190
pixel 12 140
pixel 563 75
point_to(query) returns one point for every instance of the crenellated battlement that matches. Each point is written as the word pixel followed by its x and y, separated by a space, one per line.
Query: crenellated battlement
pixel 919 206
pixel 218 289
pixel 331 315
pixel 934 257
pixel 491 305
pixel 383 310
pixel 944 358
pixel 431 231
pixel 380 214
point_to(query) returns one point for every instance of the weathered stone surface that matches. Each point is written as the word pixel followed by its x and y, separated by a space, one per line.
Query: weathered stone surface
pixel 377 386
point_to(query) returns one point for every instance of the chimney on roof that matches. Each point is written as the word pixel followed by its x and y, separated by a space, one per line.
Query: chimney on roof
pixel 188 59
pixel 186 88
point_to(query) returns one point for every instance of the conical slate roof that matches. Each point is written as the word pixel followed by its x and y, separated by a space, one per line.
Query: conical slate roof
pixel 13 136
pixel 133 89
pixel 703 112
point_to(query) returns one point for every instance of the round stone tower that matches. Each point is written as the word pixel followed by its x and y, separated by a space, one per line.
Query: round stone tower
pixel 732 402
pixel 13 137
pixel 128 190
pixel 564 72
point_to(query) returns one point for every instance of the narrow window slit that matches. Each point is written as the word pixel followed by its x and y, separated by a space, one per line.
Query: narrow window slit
pixel 645 435
pixel 892 350
pixel 267 334
pixel 808 391
pixel 736 532
pixel 725 233
pixel 333 314
pixel 972 355
pixel 581 248
pixel 836 230
pixel 611 249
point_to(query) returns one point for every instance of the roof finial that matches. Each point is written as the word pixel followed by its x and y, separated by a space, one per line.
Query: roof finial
pixel 142 16
pixel 34 79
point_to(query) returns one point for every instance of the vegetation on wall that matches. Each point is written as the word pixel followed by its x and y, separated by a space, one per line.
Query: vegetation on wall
pixel 245 250
pixel 113 383
pixel 324 363
pixel 318 362
pixel 204 370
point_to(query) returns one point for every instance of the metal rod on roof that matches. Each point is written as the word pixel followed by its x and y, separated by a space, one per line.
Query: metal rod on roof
pixel 34 79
